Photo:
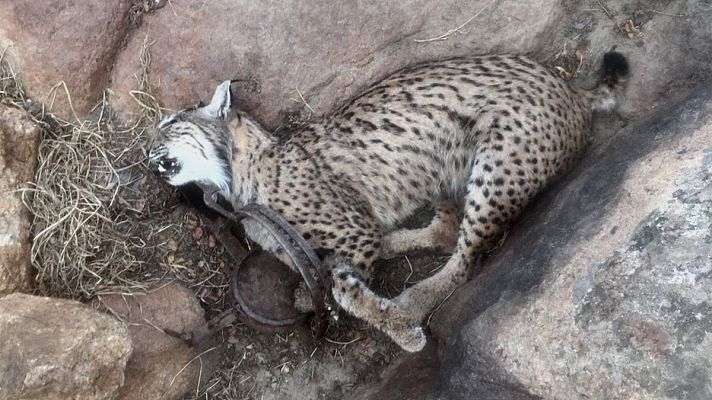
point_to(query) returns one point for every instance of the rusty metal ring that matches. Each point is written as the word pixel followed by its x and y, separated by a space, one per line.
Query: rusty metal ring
pixel 301 254
pixel 241 305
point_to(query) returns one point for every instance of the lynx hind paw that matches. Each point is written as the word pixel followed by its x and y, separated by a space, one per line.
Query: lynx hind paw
pixel 411 339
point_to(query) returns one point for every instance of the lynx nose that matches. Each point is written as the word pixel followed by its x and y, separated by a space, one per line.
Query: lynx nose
pixel 159 163
pixel 155 166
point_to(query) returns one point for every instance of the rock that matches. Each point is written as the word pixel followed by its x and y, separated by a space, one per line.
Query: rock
pixel 72 41
pixel 602 291
pixel 411 377
pixel 326 53
pixel 52 349
pixel 162 367
pixel 19 137
pixel 660 65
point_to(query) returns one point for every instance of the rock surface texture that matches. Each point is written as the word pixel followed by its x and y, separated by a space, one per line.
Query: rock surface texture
pixel 603 290
pixel 323 51
pixel 162 367
pixel 667 42
pixel 293 52
pixel 18 153
pixel 53 349
pixel 55 41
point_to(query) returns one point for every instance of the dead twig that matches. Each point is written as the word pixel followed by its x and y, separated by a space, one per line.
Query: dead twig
pixel 342 343
pixel 610 14
pixel 302 101
pixel 666 14
pixel 447 34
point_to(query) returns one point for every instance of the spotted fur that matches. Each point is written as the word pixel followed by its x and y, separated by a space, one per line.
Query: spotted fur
pixel 476 137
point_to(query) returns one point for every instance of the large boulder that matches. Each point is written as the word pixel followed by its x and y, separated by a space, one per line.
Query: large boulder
pixel 52 349
pixel 19 137
pixel 295 52
pixel 162 367
pixel 292 51
pixel 413 376
pixel 74 42
pixel 602 291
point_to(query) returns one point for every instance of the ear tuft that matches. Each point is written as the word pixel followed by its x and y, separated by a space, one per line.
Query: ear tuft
pixel 219 106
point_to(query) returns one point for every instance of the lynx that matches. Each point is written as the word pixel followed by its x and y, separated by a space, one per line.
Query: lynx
pixel 475 137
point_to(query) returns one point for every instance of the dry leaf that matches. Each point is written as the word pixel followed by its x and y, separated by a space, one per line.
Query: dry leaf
pixel 630 29
pixel 232 336
pixel 139 205
pixel 198 234
pixel 191 221
pixel 565 74
pixel 172 245
pixel 579 56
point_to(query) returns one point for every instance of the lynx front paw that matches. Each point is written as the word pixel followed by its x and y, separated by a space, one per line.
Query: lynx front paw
pixel 347 287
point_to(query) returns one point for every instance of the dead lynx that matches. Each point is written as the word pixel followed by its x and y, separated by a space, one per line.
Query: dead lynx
pixel 476 136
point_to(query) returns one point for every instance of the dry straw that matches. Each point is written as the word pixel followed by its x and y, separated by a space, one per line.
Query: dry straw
pixel 98 225
pixel 91 230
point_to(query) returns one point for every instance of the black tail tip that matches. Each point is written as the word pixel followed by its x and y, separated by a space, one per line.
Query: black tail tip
pixel 615 67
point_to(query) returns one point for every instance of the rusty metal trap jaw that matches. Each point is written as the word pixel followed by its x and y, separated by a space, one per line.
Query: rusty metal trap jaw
pixel 304 259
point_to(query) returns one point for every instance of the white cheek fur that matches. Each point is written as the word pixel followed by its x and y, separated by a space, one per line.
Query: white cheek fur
pixel 194 167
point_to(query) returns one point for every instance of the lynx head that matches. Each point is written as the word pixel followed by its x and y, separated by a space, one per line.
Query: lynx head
pixel 194 145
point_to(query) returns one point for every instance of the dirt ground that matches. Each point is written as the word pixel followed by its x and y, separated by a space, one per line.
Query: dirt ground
pixel 290 364
pixel 173 244
pixel 280 365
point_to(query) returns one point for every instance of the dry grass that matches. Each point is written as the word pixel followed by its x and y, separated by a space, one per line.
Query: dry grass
pixel 11 92
pixel 79 248
pixel 83 240
pixel 101 221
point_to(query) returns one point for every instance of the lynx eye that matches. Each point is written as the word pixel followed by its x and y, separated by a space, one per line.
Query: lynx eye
pixel 169 164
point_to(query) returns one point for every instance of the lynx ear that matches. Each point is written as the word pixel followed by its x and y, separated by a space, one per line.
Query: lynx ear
pixel 219 106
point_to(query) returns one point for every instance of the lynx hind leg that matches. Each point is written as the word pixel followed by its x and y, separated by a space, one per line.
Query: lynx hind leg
pixel 440 235
pixel 352 294
pixel 494 197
